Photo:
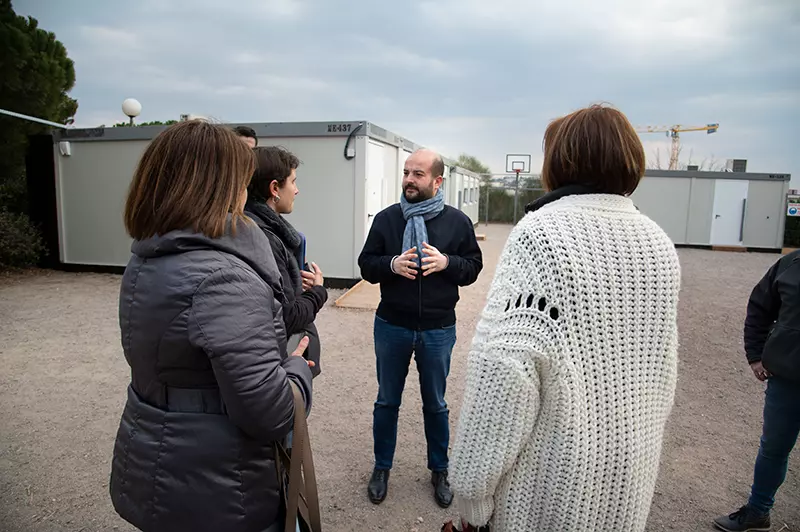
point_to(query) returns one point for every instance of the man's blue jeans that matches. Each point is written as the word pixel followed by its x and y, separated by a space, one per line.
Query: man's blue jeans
pixel 781 428
pixel 432 349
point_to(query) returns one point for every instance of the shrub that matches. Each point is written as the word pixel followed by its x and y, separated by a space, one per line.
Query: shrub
pixel 791 230
pixel 21 244
pixel 14 193
pixel 791 236
pixel 501 204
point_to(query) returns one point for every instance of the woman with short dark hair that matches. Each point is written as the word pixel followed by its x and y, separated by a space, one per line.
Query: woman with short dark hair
pixel 572 371
pixel 271 194
pixel 211 386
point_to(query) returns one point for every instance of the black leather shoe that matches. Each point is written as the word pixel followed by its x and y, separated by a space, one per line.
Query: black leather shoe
pixel 441 489
pixel 378 486
pixel 743 520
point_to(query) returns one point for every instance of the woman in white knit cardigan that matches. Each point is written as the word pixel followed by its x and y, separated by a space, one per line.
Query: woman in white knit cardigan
pixel 572 371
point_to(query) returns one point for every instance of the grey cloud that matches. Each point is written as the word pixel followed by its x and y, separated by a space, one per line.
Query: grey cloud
pixel 462 75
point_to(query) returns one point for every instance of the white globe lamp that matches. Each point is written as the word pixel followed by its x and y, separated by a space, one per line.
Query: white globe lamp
pixel 132 108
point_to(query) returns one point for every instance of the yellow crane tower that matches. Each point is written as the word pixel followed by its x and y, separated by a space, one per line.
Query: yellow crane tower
pixel 674 133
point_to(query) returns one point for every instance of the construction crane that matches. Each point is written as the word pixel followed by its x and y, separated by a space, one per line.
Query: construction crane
pixel 674 133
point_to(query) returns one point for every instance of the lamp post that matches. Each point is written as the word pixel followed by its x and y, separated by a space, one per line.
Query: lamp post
pixel 131 108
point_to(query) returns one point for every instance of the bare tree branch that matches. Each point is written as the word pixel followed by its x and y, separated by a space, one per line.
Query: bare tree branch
pixel 714 165
pixel 656 162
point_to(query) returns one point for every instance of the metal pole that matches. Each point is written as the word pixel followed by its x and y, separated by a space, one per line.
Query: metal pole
pixel 516 194
pixel 32 118
pixel 488 195
pixel 131 121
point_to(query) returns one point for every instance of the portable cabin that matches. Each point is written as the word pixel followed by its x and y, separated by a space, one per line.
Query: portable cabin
pixel 717 209
pixel 349 171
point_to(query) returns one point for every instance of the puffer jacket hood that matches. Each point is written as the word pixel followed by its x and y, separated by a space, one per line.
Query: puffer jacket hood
pixel 247 244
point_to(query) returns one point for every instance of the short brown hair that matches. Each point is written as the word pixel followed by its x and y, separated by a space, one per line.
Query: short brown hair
pixel 273 163
pixel 192 175
pixel 596 147
pixel 437 168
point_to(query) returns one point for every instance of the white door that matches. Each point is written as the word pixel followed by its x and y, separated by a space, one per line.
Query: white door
pixel 765 201
pixel 374 185
pixel 730 196
pixel 402 156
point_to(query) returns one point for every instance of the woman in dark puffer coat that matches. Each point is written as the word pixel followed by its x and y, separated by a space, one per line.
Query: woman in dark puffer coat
pixel 204 336
pixel 271 194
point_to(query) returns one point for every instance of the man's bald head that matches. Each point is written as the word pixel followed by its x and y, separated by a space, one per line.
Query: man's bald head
pixel 433 159
pixel 422 175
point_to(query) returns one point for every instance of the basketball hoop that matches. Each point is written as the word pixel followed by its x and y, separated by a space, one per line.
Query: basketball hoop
pixel 518 163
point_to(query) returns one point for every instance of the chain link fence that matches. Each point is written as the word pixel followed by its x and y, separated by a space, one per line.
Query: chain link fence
pixel 503 198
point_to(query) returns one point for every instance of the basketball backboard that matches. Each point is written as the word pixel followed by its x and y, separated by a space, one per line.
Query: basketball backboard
pixel 518 162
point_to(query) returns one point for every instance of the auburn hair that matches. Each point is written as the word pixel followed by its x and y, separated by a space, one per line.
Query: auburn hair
pixel 596 147
pixel 193 175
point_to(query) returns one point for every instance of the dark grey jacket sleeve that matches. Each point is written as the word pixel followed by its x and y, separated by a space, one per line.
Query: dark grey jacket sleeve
pixel 232 321
pixel 299 311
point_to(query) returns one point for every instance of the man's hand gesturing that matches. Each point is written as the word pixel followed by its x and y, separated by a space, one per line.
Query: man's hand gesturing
pixel 405 264
pixel 435 261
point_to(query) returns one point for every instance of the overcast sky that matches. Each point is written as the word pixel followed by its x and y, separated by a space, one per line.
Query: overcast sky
pixel 473 76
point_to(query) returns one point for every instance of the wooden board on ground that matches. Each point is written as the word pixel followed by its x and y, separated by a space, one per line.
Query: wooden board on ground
pixel 735 249
pixel 480 236
pixel 363 295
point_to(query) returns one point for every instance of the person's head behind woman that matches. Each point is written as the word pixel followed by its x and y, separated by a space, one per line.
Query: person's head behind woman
pixel 193 176
pixel 595 147
pixel 275 179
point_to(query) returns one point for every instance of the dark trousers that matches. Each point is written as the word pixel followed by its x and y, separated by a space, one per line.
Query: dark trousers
pixel 781 427
pixel 393 349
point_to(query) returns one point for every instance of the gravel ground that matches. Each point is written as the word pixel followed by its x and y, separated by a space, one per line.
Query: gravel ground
pixel 63 379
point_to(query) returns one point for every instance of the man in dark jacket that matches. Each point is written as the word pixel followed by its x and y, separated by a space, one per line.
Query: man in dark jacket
pixel 420 251
pixel 772 345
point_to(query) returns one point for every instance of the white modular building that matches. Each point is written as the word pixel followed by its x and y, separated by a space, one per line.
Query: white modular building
pixel 462 189
pixel 718 209
pixel 349 172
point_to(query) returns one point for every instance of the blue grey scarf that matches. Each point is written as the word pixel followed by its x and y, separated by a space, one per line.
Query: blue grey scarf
pixel 416 214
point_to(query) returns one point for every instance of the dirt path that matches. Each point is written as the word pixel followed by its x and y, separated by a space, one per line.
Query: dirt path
pixel 63 379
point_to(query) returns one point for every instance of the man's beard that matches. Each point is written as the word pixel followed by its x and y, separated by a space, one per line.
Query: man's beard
pixel 418 194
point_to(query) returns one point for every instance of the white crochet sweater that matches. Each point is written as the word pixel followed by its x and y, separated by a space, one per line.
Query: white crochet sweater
pixel 572 373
